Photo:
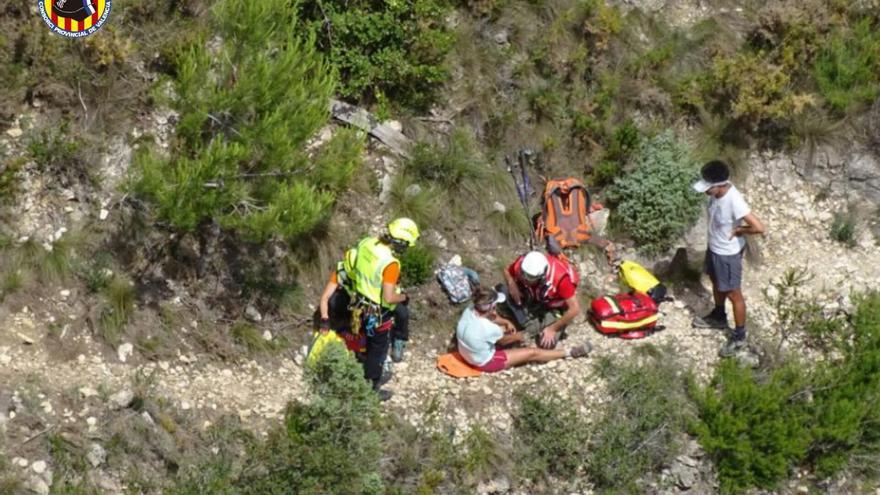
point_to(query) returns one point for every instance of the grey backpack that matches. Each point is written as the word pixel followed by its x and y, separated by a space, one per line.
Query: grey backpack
pixel 457 281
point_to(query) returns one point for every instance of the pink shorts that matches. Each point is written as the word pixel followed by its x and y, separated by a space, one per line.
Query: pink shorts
pixel 497 363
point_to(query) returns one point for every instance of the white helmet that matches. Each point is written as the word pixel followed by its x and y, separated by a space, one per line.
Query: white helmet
pixel 534 265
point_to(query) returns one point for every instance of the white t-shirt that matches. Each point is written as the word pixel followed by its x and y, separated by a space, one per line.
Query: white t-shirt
pixel 726 213
pixel 477 337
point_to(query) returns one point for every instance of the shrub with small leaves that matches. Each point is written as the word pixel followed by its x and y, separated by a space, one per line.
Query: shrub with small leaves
pixel 755 427
pixel 655 202
pixel 846 398
pixel 330 444
pixel 416 265
pixel 847 68
pixel 843 229
pixel 551 438
pixel 383 50
pixel 637 431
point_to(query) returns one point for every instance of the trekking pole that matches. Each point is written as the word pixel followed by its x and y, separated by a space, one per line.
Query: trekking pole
pixel 520 193
pixel 524 156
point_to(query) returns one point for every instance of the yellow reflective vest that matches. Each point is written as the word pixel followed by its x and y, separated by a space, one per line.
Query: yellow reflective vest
pixel 372 257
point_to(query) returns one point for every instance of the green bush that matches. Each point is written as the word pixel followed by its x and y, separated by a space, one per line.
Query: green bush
pixel 638 430
pixel 551 439
pixel 843 229
pixel 428 460
pixel 655 202
pixel 330 444
pixel 846 399
pixel 416 265
pixel 755 428
pixel 756 88
pixel 847 69
pixel 247 110
pixel 383 51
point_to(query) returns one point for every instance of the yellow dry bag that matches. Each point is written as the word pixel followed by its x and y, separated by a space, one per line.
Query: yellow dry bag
pixel 639 279
pixel 320 340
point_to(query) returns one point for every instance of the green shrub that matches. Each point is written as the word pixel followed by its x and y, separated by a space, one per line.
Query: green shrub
pixel 638 430
pixel 9 178
pixel 798 312
pixel 383 50
pixel 756 88
pixel 416 265
pixel 247 111
pixel 551 439
pixel 437 459
pixel 329 445
pixel 847 69
pixel 755 428
pixel 545 102
pixel 605 172
pixel 655 203
pixel 624 141
pixel 843 229
pixel 846 399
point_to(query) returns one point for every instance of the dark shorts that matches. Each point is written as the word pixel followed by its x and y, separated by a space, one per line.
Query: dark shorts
pixel 724 270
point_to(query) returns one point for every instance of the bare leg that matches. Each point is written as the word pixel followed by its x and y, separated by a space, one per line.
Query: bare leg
pixel 717 295
pixel 516 357
pixel 739 306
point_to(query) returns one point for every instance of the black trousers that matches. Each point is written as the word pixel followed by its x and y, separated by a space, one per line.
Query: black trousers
pixel 377 345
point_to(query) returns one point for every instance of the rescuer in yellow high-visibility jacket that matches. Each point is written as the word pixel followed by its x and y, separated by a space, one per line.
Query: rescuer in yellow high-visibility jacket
pixel 369 276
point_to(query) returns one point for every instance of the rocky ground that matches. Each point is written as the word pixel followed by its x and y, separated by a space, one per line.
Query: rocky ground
pixel 93 382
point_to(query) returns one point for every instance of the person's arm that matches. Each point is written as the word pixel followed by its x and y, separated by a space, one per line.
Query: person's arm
pixel 512 288
pixel 390 277
pixel 548 335
pixel 510 339
pixel 753 227
pixel 504 323
pixel 324 304
pixel 390 294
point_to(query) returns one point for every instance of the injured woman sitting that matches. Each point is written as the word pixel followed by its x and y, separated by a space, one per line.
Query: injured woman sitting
pixel 486 341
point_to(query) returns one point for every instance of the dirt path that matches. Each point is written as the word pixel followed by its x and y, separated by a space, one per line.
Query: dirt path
pixel 257 392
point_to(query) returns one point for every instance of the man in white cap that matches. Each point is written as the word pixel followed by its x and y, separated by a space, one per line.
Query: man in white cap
pixel 730 219
pixel 543 295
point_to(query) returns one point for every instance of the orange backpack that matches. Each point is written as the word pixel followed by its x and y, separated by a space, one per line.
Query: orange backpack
pixel 565 213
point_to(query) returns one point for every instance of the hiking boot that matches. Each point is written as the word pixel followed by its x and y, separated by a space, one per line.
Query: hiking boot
pixel 582 350
pixel 383 394
pixel 731 348
pixel 397 348
pixel 387 373
pixel 710 321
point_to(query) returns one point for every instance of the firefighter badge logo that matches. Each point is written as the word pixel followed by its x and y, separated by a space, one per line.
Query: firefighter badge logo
pixel 74 18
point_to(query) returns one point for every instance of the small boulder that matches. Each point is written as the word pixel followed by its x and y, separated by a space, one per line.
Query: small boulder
pixel 122 399
pixel 96 455
pixel 252 314
pixel 39 467
pixel 124 351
